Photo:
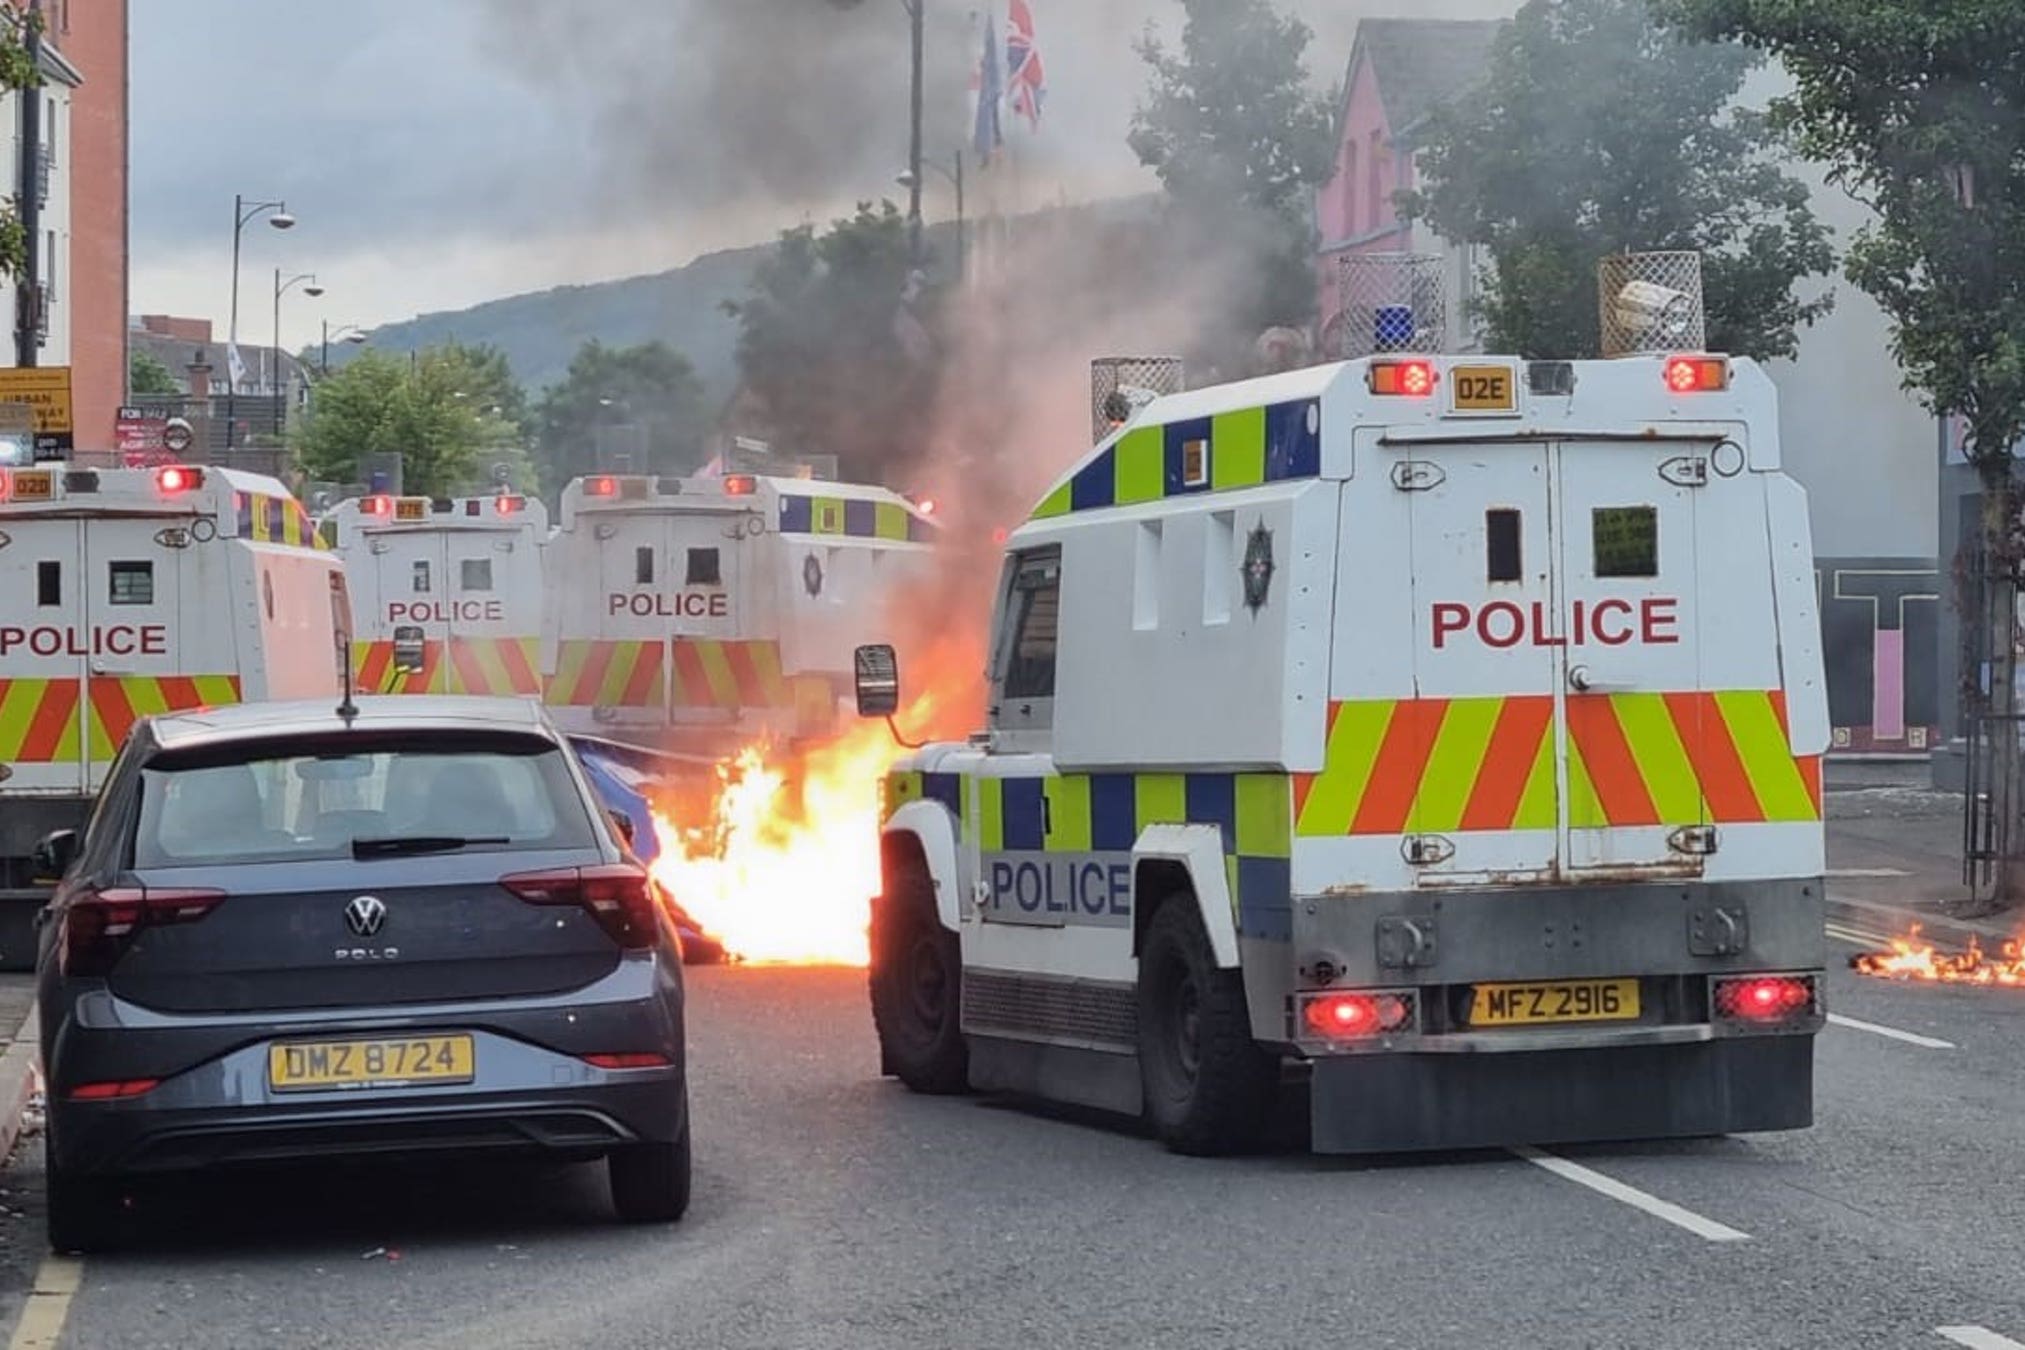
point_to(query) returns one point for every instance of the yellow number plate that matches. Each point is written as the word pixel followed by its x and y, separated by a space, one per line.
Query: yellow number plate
pixel 411 508
pixel 1510 1005
pixel 395 1062
pixel 1482 389
pixel 33 486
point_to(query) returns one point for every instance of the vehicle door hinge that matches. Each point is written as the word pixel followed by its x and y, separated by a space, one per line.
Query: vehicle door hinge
pixel 173 536
pixel 1686 471
pixel 1427 850
pixel 377 547
pixel 1718 930
pixel 1417 475
pixel 1694 840
pixel 1406 942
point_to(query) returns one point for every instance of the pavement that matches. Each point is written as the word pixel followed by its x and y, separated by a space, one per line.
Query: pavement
pixel 834 1209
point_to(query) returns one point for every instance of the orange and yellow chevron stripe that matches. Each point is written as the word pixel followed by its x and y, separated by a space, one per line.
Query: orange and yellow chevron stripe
pixel 1444 766
pixel 373 669
pixel 710 673
pixel 502 666
pixel 268 519
pixel 38 721
pixel 596 674
pixel 118 702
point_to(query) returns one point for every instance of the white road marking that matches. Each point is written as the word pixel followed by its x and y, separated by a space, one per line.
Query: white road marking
pixel 48 1306
pixel 1909 1037
pixel 1856 937
pixel 1978 1338
pixel 1865 873
pixel 1707 1229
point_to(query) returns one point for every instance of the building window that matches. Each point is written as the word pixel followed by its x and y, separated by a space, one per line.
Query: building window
pixel 132 583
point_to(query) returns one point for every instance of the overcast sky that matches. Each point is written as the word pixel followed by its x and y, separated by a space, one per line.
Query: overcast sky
pixel 442 152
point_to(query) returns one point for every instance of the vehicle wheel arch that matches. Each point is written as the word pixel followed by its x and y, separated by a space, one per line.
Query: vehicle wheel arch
pixel 923 834
pixel 1185 862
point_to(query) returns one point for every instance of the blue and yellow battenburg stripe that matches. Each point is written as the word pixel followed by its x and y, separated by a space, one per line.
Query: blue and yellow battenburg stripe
pixel 853 518
pixel 1272 444
pixel 267 519
pixel 1106 812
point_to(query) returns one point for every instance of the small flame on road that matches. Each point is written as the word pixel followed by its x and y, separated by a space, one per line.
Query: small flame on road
pixel 1913 958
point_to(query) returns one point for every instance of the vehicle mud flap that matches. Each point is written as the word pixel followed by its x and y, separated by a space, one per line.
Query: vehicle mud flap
pixel 19 933
pixel 1398 1103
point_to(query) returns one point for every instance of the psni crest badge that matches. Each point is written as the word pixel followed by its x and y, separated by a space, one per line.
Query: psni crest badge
pixel 1258 567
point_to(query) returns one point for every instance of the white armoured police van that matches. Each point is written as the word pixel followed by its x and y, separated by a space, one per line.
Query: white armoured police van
pixel 720 606
pixel 1446 731
pixel 125 592
pixel 446 592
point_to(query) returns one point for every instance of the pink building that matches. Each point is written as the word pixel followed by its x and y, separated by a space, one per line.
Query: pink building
pixel 1400 71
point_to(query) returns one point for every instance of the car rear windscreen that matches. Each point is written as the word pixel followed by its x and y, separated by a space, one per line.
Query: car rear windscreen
pixel 282 803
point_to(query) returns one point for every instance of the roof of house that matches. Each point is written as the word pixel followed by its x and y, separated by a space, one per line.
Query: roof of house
pixel 1422 63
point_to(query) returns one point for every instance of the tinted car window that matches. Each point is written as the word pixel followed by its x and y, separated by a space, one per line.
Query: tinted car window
pixel 284 807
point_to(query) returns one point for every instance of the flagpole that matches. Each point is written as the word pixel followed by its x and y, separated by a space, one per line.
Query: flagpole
pixel 916 20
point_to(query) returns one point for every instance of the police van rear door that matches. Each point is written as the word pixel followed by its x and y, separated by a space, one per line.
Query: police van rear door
pixel 43 637
pixel 132 599
pixel 1629 612
pixel 1465 769
pixel 411 569
pixel 724 651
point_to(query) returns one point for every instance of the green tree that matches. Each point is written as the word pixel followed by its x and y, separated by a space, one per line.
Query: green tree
pixel 1914 105
pixel 1596 132
pixel 1240 143
pixel 644 397
pixel 436 409
pixel 147 375
pixel 837 344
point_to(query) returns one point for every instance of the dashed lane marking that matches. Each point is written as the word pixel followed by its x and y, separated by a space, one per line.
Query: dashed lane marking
pixel 1978 1338
pixel 1891 1033
pixel 1705 1228
pixel 48 1307
pixel 1856 937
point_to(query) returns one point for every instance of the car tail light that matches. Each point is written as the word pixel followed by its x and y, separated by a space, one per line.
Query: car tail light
pixel 112 1090
pixel 627 1061
pixel 175 478
pixel 379 506
pixel 619 896
pixel 97 926
pixel 1765 1000
pixel 1351 1017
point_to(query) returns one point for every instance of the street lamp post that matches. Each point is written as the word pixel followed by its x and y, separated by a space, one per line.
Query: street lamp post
pixel 310 289
pixel 915 19
pixel 912 180
pixel 350 332
pixel 242 213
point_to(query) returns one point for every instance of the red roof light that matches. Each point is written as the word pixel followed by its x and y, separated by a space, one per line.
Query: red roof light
pixel 604 486
pixel 378 506
pixel 740 485
pixel 1412 379
pixel 507 505
pixel 176 478
pixel 1697 374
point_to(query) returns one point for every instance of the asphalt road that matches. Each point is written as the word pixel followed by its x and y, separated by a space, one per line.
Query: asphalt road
pixel 833 1209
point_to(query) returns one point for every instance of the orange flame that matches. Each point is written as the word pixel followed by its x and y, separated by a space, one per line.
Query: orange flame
pixel 778 859
pixel 1910 958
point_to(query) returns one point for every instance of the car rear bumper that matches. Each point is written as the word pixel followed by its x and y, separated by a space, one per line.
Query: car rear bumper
pixel 531 1088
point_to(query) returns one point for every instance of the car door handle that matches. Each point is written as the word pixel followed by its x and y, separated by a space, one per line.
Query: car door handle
pixel 1582 682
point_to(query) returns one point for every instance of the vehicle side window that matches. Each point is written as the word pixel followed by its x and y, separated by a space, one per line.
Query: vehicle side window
pixel 130 583
pixel 1626 541
pixel 705 568
pixel 475 574
pixel 1032 615
pixel 48 583
pixel 1502 558
pixel 643 566
pixel 421 578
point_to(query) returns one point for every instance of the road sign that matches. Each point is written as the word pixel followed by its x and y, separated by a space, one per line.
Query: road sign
pixel 46 392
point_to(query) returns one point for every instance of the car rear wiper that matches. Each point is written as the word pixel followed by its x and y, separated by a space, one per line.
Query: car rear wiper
pixel 418 843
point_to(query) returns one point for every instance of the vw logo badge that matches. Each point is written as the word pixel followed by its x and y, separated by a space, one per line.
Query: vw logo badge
pixel 365 914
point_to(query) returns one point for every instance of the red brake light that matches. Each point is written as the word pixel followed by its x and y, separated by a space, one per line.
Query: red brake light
pixel 6 485
pixel 619 896
pixel 506 506
pixel 1697 374
pixel 1767 998
pixel 603 486
pixel 1347 1017
pixel 740 485
pixel 176 478
pixel 109 1091
pixel 928 506
pixel 627 1061
pixel 97 926
pixel 1411 379
pixel 379 506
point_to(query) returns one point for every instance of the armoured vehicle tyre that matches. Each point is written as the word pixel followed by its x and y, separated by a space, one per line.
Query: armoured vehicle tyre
pixel 1208 1086
pixel 650 1182
pixel 917 989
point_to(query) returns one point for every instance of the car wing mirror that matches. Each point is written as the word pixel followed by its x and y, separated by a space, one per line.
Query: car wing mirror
pixel 623 823
pixel 54 853
pixel 877 671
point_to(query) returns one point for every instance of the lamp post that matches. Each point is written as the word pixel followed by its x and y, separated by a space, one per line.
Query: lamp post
pixel 912 180
pixel 309 288
pixel 915 17
pixel 242 213
pixel 350 332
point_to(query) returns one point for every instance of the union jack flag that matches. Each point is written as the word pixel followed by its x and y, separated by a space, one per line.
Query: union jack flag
pixel 1025 80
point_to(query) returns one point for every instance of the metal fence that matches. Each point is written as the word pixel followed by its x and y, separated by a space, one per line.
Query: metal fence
pixel 1650 302
pixel 1390 302
pixel 1120 385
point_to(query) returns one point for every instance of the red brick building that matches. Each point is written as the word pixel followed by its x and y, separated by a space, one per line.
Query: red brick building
pixel 92 34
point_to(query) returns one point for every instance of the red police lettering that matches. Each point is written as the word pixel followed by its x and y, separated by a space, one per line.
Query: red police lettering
pixel 1658 610
pixel 1449 618
pixel 1514 632
pixel 1610 637
pixel 687 605
pixel 104 640
pixel 446 611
